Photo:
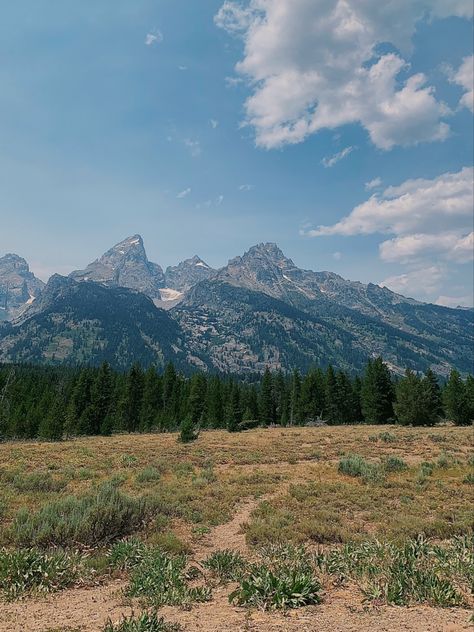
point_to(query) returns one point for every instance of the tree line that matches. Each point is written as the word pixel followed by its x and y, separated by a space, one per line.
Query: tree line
pixel 52 403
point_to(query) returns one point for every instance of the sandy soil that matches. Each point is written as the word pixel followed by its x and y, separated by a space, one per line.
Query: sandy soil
pixel 87 609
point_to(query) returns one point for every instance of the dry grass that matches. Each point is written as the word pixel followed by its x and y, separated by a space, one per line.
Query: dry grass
pixel 201 483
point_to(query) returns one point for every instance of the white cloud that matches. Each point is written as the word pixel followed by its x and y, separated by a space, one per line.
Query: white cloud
pixel 464 77
pixel 416 206
pixel 246 187
pixel 337 256
pixel 193 146
pixel 232 82
pixel 182 68
pixel 330 161
pixel 213 123
pixel 421 281
pixel 430 220
pixel 373 184
pixel 312 64
pixel 454 301
pixel 410 248
pixel 220 199
pixel 154 37
pixel 183 194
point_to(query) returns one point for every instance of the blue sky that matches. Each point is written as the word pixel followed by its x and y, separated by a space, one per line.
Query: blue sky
pixel 210 126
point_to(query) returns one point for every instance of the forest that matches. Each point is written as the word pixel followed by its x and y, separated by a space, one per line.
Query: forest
pixel 53 403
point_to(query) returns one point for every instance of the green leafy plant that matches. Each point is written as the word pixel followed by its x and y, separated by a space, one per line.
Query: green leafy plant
pixel 146 622
pixel 357 466
pixel 227 565
pixel 394 464
pixel 148 475
pixel 27 571
pixel 277 587
pixel 161 579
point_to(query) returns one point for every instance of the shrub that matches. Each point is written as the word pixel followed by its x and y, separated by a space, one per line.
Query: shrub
pixel 415 572
pixel 357 466
pixel 90 520
pixel 161 579
pixel 394 464
pixel 27 571
pixel 187 431
pixel 281 586
pixel 37 482
pixel 129 460
pixel 469 479
pixel 227 565
pixel 387 437
pixel 148 475
pixel 146 622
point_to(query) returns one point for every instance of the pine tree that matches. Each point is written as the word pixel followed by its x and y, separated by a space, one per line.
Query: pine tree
pixel 377 394
pixel 52 426
pixel 414 404
pixel 78 404
pixel 133 400
pixel 152 402
pixel 234 412
pixel 188 432
pixel 296 414
pixel 455 397
pixel 101 400
pixel 214 403
pixel 436 409
pixel 197 397
pixel 267 408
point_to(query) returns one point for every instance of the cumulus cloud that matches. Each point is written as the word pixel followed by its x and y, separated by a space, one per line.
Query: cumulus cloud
pixel 330 161
pixel 313 64
pixel 422 281
pixel 454 301
pixel 373 184
pixel 430 220
pixel 416 206
pixel 464 77
pixel 183 194
pixel 246 187
pixel 213 123
pixel 154 37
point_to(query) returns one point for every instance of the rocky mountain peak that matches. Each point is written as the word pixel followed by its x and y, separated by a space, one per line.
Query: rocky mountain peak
pixel 126 264
pixel 187 273
pixel 18 285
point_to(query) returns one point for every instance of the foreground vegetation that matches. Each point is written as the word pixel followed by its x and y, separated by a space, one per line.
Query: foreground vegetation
pixel 387 510
pixel 53 403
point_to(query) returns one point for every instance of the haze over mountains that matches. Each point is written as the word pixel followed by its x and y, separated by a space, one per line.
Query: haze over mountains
pixel 260 310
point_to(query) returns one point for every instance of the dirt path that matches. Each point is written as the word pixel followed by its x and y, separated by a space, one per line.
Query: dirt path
pixel 87 609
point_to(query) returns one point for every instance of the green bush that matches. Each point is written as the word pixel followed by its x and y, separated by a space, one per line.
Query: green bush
pixel 280 586
pixel 148 475
pixel 126 554
pixel 146 622
pixel 387 437
pixel 415 572
pixel 357 466
pixel 91 520
pixel 37 482
pixel 394 464
pixel 227 565
pixel 162 579
pixel 27 571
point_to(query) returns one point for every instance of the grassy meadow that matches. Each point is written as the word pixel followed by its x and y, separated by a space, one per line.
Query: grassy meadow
pixel 385 509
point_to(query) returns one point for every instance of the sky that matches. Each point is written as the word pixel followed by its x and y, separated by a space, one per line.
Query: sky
pixel 340 129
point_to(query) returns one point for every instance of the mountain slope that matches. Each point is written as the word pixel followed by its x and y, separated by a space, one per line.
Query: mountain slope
pixel 18 286
pixel 88 323
pixel 187 273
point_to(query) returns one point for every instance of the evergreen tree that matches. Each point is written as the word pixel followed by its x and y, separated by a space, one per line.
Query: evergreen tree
pixel 197 397
pixel 214 403
pixel 101 400
pixel 133 400
pixel 296 414
pixel 234 412
pixel 52 426
pixel 79 404
pixel 152 402
pixel 188 432
pixel 414 403
pixel 377 394
pixel 267 408
pixel 434 395
pixel 456 400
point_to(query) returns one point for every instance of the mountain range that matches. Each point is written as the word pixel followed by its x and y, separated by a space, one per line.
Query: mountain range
pixel 259 311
